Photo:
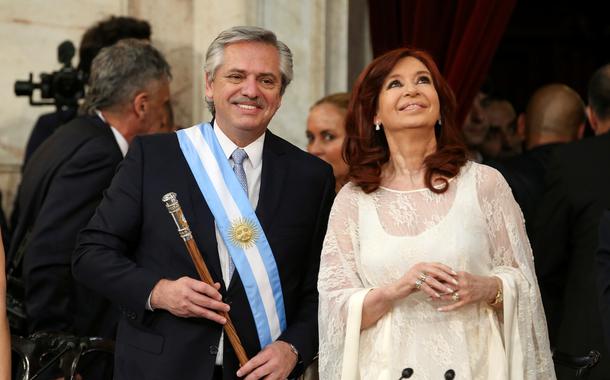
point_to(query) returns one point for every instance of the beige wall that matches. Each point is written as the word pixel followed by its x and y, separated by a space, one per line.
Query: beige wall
pixel 315 30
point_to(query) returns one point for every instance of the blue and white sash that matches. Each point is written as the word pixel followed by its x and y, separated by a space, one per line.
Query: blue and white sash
pixel 239 228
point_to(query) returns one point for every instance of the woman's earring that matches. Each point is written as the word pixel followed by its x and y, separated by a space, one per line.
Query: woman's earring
pixel 377 126
pixel 437 127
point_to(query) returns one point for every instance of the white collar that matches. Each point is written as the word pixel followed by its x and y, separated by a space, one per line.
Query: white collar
pixel 254 149
pixel 120 139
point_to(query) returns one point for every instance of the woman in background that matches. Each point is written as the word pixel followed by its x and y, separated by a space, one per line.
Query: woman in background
pixel 326 133
pixel 426 263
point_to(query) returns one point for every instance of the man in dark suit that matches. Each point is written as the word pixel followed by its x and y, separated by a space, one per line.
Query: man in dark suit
pixel 555 115
pixel 131 252
pixel 64 181
pixel 603 273
pixel 566 237
pixel 104 33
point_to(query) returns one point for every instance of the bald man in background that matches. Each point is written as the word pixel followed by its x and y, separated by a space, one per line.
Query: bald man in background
pixel 577 191
pixel 554 115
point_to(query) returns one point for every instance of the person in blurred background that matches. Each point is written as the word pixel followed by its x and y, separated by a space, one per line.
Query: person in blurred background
pixel 326 133
pixel 502 140
pixel 555 115
pixel 65 180
pixel 603 273
pixel 475 128
pixel 105 33
pixel 566 234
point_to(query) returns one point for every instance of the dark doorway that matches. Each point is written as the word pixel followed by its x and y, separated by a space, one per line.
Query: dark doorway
pixel 548 42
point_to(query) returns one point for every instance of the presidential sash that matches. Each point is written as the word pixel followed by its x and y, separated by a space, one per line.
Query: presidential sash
pixel 239 227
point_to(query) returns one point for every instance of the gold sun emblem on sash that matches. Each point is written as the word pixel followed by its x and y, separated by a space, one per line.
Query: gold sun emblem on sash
pixel 243 233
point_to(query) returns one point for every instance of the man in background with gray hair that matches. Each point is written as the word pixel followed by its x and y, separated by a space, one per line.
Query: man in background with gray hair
pixel 258 208
pixel 64 180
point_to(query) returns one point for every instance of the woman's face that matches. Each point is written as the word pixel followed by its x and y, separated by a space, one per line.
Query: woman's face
pixel 325 135
pixel 408 98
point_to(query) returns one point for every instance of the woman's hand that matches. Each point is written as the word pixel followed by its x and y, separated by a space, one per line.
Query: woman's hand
pixel 434 279
pixel 472 289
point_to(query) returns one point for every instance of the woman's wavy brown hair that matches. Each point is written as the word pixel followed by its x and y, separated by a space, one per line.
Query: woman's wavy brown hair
pixel 366 150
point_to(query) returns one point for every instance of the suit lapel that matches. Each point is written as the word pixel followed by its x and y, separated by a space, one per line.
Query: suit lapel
pixel 273 178
pixel 202 224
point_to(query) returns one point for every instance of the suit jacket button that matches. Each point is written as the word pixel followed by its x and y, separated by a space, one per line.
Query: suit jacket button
pixel 213 350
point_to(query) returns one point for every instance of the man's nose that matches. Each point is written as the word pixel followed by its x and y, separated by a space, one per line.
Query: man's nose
pixel 250 87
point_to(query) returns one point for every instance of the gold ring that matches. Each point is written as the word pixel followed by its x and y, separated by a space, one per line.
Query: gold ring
pixel 418 283
pixel 423 276
pixel 455 296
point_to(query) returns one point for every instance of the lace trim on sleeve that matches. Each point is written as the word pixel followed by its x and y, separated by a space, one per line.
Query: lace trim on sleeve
pixel 338 279
pixel 512 256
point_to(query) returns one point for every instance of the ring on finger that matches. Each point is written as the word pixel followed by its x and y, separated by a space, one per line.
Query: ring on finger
pixel 455 296
pixel 423 276
pixel 418 283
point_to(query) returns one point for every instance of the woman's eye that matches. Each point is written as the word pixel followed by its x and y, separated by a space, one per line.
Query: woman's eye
pixel 424 79
pixel 309 138
pixel 328 137
pixel 394 83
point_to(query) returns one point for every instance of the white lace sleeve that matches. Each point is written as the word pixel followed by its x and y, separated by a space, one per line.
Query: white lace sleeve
pixel 513 262
pixel 338 279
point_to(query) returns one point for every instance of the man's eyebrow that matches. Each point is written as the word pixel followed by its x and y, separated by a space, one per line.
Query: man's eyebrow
pixel 241 71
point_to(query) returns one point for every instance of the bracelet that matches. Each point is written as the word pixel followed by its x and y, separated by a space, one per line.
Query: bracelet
pixel 499 295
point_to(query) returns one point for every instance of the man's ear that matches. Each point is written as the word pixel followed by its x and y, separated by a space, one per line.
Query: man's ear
pixel 209 87
pixel 580 132
pixel 141 104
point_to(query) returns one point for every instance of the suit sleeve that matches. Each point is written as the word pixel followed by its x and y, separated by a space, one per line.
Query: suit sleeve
pixel 104 257
pixel 69 204
pixel 603 273
pixel 551 244
pixel 303 331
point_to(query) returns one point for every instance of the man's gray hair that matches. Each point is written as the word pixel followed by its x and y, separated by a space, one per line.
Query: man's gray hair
pixel 119 72
pixel 215 54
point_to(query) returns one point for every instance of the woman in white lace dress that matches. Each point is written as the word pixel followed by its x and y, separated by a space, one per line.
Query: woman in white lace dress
pixel 426 263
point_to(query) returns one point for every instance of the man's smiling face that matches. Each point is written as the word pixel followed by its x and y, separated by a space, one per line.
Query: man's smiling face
pixel 246 89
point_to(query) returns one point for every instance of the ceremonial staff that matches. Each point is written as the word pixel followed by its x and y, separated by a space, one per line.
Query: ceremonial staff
pixel 173 207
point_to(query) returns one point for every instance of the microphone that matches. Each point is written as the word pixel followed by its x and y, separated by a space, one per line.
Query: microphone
pixel 406 373
pixel 450 374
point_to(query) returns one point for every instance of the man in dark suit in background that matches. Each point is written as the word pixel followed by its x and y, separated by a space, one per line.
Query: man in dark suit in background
pixel 566 234
pixel 105 33
pixel 64 181
pixel 555 115
pixel 131 252
pixel 603 274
